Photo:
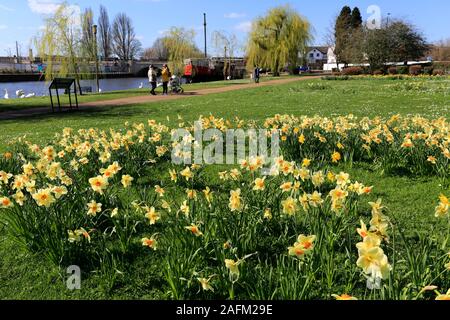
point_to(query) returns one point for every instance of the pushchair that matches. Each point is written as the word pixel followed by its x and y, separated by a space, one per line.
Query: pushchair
pixel 175 85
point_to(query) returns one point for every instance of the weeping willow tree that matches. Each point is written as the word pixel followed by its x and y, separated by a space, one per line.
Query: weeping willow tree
pixel 180 46
pixel 277 38
pixel 59 44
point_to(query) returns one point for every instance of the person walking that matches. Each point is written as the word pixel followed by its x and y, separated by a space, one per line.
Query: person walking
pixel 256 73
pixel 152 79
pixel 165 74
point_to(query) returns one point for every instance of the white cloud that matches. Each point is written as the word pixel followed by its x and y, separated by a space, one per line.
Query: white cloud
pixel 5 8
pixel 51 6
pixel 235 15
pixel 139 37
pixel 43 6
pixel 245 26
pixel 3 27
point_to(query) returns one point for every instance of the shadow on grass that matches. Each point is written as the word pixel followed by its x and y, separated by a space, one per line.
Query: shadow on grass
pixel 104 110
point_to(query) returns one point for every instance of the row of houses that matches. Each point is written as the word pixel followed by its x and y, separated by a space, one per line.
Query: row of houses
pixel 323 58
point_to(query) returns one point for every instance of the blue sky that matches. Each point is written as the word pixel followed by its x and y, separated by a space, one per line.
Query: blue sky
pixel 21 19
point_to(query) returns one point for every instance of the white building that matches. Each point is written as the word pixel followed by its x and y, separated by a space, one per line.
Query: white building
pixel 316 57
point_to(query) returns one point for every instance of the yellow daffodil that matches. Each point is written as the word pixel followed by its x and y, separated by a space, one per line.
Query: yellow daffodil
pixel 5 202
pixel 44 198
pixel 173 175
pixel 318 179
pixel 99 184
pixel 127 180
pixel 94 208
pixel 59 191
pixel 152 215
pixel 206 286
pixel 267 214
pixel 185 208
pixel 149 242
pixel 289 206
pixel 343 297
pixel 335 157
pixel 235 203
pixel 306 163
pixel 4 177
pixel 445 297
pixel 259 184
pixel 302 246
pixel 187 173
pixel 232 266
pixel 286 187
pixel 114 212
pixel 160 191
pixel 195 230
pixel 301 139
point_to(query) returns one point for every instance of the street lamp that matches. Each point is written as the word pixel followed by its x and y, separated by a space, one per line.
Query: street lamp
pixel 94 31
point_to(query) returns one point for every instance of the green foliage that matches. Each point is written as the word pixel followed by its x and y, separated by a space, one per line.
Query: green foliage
pixel 277 38
pixel 180 45
pixel 60 42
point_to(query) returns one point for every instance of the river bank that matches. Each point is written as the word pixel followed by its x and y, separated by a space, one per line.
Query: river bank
pixel 31 77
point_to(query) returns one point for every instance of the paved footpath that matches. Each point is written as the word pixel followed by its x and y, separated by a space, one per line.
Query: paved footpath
pixel 15 114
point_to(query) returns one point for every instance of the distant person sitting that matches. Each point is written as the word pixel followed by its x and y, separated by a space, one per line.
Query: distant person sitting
pixel 256 74
pixel 152 75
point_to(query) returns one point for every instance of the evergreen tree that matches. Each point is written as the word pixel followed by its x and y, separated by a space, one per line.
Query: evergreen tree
pixel 356 20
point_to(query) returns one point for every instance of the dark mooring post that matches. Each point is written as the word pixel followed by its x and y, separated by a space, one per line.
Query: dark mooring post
pixel 204 24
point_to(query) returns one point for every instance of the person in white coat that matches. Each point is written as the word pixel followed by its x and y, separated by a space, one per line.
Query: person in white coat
pixel 152 75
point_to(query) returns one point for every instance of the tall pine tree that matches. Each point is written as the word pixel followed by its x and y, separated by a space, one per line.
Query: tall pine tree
pixel 356 20
pixel 341 33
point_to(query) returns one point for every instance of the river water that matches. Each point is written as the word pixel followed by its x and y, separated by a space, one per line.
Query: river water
pixel 40 88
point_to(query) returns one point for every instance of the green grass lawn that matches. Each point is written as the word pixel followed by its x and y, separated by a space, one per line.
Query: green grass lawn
pixel 411 200
pixel 44 102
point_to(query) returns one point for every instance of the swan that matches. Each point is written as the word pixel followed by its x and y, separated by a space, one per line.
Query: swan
pixel 99 90
pixel 6 94
pixel 30 95
pixel 141 86
pixel 20 93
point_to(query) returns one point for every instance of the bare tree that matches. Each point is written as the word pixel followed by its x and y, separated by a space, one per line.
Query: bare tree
pixel 225 44
pixel 125 44
pixel 87 37
pixel 440 51
pixel 158 51
pixel 104 29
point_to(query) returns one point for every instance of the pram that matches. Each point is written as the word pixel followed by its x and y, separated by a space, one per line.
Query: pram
pixel 175 85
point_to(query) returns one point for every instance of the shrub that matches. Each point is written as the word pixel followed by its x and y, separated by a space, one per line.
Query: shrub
pixel 393 70
pixel 402 70
pixel 352 71
pixel 438 72
pixel 415 70
pixel 378 73
pixel 442 65
pixel 428 70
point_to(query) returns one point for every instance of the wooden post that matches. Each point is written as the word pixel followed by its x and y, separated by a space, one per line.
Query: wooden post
pixel 51 98
pixel 57 94
pixel 76 98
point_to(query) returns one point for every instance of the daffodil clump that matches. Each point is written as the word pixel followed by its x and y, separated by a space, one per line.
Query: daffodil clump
pixel 414 144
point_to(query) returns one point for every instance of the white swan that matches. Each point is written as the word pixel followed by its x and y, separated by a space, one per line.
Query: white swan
pixel 20 93
pixel 6 94
pixel 30 95
pixel 99 90
pixel 141 86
